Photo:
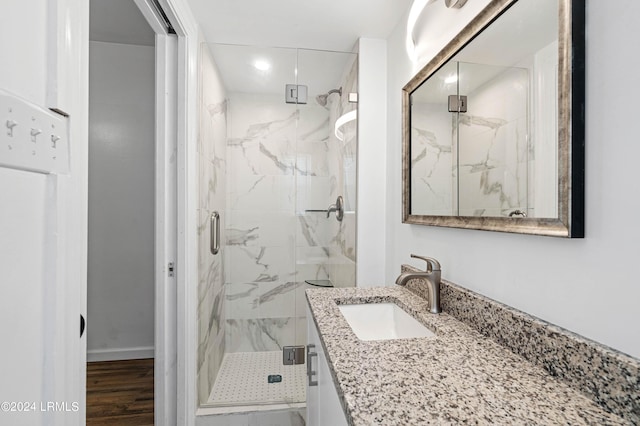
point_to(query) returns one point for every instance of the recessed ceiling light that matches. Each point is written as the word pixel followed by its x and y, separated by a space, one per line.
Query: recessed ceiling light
pixel 262 65
pixel 451 79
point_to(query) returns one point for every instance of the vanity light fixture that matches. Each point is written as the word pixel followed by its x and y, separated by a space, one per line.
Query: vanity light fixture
pixel 414 13
pixel 456 4
pixel 342 120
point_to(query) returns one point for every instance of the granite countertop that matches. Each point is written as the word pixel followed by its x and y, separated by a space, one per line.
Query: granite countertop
pixel 458 376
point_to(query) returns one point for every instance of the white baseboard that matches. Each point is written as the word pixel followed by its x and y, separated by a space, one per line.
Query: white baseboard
pixel 120 354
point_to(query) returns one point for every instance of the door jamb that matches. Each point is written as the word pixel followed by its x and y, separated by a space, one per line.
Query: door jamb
pixel 166 225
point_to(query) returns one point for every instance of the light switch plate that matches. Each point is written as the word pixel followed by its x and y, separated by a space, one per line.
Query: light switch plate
pixel 31 137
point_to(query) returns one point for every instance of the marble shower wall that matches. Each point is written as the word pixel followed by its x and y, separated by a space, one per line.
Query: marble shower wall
pixel 342 172
pixel 283 161
pixel 475 163
pixel 212 181
pixel 262 288
pixel 433 185
pixel 493 148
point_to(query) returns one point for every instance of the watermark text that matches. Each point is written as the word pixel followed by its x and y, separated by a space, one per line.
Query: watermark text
pixel 40 406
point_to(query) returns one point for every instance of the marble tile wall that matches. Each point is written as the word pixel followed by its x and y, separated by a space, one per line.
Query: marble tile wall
pixel 284 160
pixel 494 145
pixel 477 163
pixel 261 282
pixel 212 129
pixel 342 161
pixel 433 189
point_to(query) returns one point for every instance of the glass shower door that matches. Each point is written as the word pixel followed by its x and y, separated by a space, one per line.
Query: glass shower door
pixel 285 162
pixel 261 314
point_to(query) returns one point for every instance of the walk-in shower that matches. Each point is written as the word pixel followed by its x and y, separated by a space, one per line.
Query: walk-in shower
pixel 271 169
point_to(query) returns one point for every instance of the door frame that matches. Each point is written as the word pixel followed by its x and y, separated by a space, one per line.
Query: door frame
pixel 165 226
pixel 166 231
pixel 176 222
pixel 67 88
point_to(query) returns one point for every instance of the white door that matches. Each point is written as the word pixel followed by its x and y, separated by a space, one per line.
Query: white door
pixel 43 220
pixel 40 331
pixel 42 210
pixel 22 294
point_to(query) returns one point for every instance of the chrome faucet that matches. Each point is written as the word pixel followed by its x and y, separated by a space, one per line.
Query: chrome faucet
pixel 431 276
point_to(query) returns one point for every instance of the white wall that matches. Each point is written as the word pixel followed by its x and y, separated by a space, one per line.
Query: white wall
pixel 588 286
pixel 372 173
pixel 120 299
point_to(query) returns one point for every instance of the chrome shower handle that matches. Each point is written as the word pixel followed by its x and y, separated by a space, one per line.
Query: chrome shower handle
pixel 338 207
pixel 214 233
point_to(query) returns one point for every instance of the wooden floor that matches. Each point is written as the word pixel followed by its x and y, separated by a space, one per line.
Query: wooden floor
pixel 120 393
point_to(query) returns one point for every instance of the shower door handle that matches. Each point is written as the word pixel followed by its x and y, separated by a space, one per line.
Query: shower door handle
pixel 310 372
pixel 214 233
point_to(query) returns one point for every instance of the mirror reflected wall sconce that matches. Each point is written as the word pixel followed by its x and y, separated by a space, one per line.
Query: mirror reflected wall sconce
pixel 493 125
pixel 456 4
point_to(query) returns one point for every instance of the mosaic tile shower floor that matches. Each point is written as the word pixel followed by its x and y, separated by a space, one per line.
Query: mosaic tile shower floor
pixel 243 380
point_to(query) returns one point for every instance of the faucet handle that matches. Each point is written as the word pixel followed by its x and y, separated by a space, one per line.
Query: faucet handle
pixel 432 264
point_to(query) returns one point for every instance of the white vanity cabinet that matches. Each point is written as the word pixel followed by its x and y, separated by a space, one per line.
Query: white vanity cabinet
pixel 323 405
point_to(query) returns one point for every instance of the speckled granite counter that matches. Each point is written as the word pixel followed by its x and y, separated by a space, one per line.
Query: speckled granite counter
pixel 460 376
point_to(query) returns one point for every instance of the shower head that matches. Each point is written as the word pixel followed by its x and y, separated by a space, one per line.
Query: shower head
pixel 322 99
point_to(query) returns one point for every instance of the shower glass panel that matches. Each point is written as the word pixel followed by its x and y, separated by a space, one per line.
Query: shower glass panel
pixel 284 165
pixel 326 157
pixel 262 313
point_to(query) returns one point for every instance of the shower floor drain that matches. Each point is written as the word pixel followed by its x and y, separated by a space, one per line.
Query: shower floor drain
pixel 241 380
pixel 274 378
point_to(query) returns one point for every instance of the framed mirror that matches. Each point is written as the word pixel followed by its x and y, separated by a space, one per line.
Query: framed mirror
pixel 493 125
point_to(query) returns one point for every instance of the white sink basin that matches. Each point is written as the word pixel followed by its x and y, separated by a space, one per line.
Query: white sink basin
pixel 382 321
